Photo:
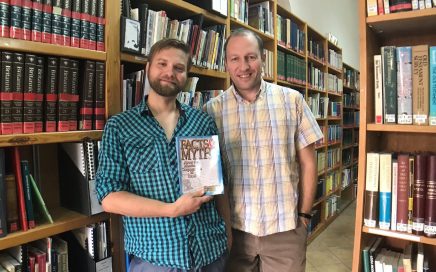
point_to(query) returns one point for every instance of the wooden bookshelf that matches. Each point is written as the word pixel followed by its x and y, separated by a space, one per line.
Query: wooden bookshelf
pixel 49 137
pixel 399 29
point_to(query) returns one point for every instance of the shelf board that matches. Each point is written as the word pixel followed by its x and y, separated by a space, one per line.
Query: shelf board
pixel 334 118
pixel 49 137
pixel 347 146
pixel 291 51
pixel 403 23
pixel 265 37
pixel 334 143
pixel 316 60
pixel 320 146
pixel 334 69
pixel 313 89
pixel 334 93
pixel 207 72
pixel 401 128
pixel 64 220
pixel 291 84
pixel 336 167
pixel 400 235
pixel 126 57
pixel 50 49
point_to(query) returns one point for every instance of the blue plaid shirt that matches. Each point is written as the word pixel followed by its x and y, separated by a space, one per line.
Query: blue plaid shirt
pixel 136 157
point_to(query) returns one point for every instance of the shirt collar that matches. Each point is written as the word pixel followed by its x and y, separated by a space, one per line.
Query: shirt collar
pixel 144 109
pixel 260 94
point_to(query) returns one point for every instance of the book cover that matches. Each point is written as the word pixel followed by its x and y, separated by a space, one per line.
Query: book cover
pixel 420 84
pixel 17 92
pixel 389 70
pixel 37 20
pixel 29 93
pixel 20 190
pixel 39 93
pixel 432 117
pixel 99 110
pixel 93 25
pixel 4 18
pixel 371 6
pixel 84 24
pixel 394 193
pixel 27 193
pixel 26 19
pixel 37 197
pixel 16 30
pixel 101 23
pixel 371 189
pixel 410 198
pixel 385 196
pixel 56 22
pixel 199 163
pixel 20 254
pixel 66 22
pixel 430 203
pixel 64 88
pixel 400 5
pixel 50 95
pixel 75 23
pixel 378 88
pixel 12 203
pixel 419 193
pixel 402 192
pixel 6 94
pixel 47 10
pixel 404 84
pixel 74 95
pixel 87 95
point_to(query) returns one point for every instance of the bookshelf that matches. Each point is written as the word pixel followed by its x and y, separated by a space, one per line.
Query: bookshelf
pixel 407 28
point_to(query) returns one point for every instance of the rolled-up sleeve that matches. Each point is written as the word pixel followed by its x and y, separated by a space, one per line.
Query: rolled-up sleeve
pixel 112 174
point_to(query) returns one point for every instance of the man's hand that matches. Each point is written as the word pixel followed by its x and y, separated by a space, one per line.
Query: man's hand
pixel 304 221
pixel 189 203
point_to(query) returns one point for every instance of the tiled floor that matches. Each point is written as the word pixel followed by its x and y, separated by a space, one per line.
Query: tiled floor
pixel 332 250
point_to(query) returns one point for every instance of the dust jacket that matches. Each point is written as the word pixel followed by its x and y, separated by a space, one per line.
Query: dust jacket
pixel 199 162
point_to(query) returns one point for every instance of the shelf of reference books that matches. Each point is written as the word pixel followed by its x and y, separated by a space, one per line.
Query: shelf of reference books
pixel 237 24
pixel 404 22
pixel 291 84
pixel 401 128
pixel 188 9
pixel 49 137
pixel 399 235
pixel 50 49
pixel 133 58
pixel 64 220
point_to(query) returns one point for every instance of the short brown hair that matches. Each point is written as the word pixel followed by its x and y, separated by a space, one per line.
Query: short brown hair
pixel 170 43
pixel 244 32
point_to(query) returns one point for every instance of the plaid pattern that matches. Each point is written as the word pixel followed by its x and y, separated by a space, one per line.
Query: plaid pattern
pixel 135 156
pixel 261 140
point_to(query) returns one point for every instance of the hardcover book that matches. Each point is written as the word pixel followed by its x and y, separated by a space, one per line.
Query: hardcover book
pixel 200 164
pixel 371 189
pixel 420 83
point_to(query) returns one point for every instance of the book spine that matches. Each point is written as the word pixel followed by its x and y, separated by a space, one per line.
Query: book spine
pixel 27 193
pixel 84 24
pixel 51 95
pixel 12 203
pixel 16 29
pixel 40 199
pixel 430 202
pixel 66 22
pixel 404 84
pixel 37 20
pixel 415 4
pixel 73 119
pixel 401 5
pixel 47 11
pixel 386 6
pixel 432 117
pixel 385 191
pixel 99 105
pixel 419 194
pixel 26 19
pixel 63 111
pixel 5 18
pixel 101 24
pixel 20 189
pixel 389 68
pixel 39 94
pixel 378 87
pixel 410 199
pixel 75 23
pixel 29 94
pixel 17 92
pixel 6 94
pixel 380 7
pixel 56 22
pixel 87 96
pixel 420 84
pixel 371 189
pixel 93 25
pixel 394 194
pixel 402 192
pixel 3 201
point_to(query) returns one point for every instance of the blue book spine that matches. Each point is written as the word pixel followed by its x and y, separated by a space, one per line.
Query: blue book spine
pixel 432 86
pixel 385 210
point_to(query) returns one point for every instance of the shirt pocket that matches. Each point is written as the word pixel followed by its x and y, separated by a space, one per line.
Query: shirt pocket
pixel 142 155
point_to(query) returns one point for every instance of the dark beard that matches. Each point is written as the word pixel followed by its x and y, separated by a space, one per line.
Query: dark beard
pixel 164 91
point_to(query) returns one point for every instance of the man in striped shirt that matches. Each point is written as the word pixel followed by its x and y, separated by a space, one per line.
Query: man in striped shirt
pixel 268 134
pixel 138 175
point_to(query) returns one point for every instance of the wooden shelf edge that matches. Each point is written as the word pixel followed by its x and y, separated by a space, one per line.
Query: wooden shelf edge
pixel 406 15
pixel 126 57
pixel 49 137
pixel 207 72
pixel 15 45
pixel 265 37
pixel 401 128
pixel 291 51
pixel 64 220
pixel 399 235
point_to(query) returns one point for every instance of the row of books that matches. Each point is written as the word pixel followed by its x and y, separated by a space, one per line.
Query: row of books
pixel 347 156
pixel 239 10
pixel 347 138
pixel 333 157
pixel 379 7
pixel 50 94
pixel 351 78
pixel 332 181
pixel 334 133
pixel 347 177
pixel 289 34
pixel 315 48
pixel 351 99
pixel 405 85
pixel 334 84
pixel 268 68
pixel 320 161
pixel 335 109
pixel 316 77
pixel 76 23
pixel 318 104
pixel 399 194
pixel 335 59
pixel 331 207
pixel 350 118
pixel 260 17
pixel 378 257
pixel 291 68
pixel 133 88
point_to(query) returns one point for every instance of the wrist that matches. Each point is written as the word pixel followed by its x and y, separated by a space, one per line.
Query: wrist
pixel 308 216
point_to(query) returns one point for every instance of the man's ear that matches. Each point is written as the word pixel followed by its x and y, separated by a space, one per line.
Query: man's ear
pixel 147 67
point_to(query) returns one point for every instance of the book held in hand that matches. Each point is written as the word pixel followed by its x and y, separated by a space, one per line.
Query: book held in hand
pixel 200 164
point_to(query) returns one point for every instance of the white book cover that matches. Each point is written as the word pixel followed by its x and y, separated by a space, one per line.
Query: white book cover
pixel 385 196
pixel 394 195
pixel 200 164
pixel 378 88
pixel 387 6
pixel 371 189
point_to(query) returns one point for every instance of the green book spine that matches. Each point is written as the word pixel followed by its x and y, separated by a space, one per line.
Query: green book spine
pixel 40 200
pixel 27 193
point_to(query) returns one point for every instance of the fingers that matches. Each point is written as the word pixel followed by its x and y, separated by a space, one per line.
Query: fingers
pixel 198 193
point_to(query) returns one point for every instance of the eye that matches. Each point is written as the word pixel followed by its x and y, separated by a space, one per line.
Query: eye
pixel 180 69
pixel 161 64
pixel 252 57
pixel 234 59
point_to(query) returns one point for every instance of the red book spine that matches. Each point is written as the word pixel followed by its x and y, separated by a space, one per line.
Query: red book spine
pixel 75 23
pixel 380 7
pixel 4 18
pixel 29 94
pixel 26 19
pixel 101 22
pixel 16 30
pixel 51 95
pixel 430 203
pixel 47 11
pixel 403 192
pixel 56 23
pixel 419 194
pixel 20 189
pixel 39 94
pixel 99 105
pixel 37 20
pixel 66 22
pixel 93 25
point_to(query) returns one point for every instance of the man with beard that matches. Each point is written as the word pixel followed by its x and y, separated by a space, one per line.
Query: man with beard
pixel 138 175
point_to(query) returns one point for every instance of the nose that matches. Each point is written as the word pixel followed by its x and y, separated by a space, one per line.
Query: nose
pixel 244 65
pixel 169 71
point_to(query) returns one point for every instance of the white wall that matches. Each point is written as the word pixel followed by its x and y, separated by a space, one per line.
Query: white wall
pixel 340 17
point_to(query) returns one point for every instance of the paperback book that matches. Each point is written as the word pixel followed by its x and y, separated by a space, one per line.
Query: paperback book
pixel 200 164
